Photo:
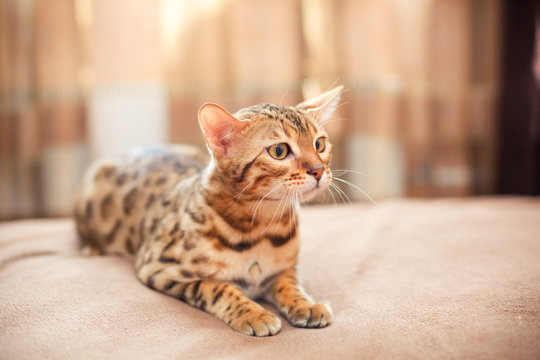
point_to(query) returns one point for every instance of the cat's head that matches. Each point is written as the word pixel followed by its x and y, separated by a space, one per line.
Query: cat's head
pixel 273 150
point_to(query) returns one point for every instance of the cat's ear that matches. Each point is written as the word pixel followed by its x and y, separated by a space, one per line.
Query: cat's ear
pixel 220 128
pixel 324 105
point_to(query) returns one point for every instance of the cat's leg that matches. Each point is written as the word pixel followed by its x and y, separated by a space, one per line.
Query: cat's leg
pixel 89 250
pixel 287 294
pixel 87 246
pixel 221 299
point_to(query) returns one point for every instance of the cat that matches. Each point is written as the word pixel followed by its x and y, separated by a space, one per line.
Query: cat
pixel 219 232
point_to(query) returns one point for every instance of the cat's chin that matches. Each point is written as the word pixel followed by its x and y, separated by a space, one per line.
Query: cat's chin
pixel 309 194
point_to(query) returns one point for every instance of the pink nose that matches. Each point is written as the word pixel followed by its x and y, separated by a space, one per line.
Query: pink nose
pixel 316 172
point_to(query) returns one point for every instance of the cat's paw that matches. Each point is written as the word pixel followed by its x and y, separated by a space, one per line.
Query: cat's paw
pixel 310 315
pixel 257 323
pixel 88 250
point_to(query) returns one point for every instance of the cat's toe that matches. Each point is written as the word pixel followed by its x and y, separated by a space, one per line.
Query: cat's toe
pixel 257 324
pixel 311 316
pixel 266 325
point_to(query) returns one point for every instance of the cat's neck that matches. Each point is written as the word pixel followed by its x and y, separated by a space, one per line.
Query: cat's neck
pixel 223 191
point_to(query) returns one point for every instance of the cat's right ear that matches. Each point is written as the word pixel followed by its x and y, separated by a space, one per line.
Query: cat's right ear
pixel 324 105
pixel 221 130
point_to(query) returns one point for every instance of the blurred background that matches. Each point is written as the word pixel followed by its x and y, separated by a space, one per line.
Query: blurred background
pixel 442 96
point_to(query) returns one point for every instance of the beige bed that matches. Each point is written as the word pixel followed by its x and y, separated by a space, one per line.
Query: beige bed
pixel 437 279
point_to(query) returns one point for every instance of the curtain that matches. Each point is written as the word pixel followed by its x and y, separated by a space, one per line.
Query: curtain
pixel 519 136
pixel 42 114
pixel 81 79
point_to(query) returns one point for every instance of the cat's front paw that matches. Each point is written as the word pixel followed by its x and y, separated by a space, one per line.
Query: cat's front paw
pixel 257 323
pixel 310 315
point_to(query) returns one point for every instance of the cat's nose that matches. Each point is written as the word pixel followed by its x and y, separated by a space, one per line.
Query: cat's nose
pixel 316 172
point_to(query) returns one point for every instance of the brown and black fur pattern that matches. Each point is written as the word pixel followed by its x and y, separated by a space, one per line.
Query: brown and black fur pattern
pixel 217 234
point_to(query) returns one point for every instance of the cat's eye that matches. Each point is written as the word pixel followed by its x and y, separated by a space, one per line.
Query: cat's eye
pixel 278 151
pixel 320 144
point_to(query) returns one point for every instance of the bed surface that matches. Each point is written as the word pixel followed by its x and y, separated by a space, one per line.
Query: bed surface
pixel 406 279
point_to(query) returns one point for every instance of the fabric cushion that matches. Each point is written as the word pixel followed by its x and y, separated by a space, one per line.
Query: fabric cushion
pixel 405 279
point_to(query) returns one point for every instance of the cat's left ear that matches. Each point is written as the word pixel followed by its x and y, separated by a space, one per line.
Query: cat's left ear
pixel 221 130
pixel 324 105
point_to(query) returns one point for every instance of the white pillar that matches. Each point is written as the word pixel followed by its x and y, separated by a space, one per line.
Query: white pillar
pixel 126 116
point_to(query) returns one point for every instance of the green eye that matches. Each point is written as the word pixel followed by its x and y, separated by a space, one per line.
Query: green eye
pixel 320 144
pixel 279 151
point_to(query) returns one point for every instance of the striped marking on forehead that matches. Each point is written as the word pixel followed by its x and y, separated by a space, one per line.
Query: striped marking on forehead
pixel 288 115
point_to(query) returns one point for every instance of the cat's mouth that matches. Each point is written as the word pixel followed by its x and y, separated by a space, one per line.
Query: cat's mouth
pixel 309 193
pixel 316 187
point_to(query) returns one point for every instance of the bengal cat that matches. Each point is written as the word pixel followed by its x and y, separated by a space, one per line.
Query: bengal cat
pixel 216 234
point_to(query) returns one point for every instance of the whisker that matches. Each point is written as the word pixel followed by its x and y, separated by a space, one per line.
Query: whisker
pixel 290 211
pixel 238 195
pixel 287 198
pixel 241 191
pixel 294 209
pixel 261 200
pixel 275 213
pixel 332 187
pixel 300 200
pixel 341 192
pixel 348 171
pixel 332 195
pixel 357 188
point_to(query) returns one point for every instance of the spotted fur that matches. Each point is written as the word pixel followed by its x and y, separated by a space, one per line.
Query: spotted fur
pixel 217 233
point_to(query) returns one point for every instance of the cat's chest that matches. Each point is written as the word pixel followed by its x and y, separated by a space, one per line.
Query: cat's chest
pixel 253 269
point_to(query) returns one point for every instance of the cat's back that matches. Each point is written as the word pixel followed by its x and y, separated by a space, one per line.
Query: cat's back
pixel 114 194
